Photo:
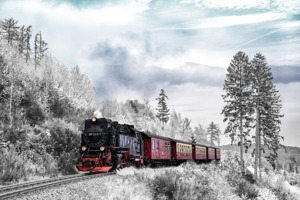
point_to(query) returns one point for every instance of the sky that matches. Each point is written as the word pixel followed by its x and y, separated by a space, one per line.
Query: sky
pixel 132 49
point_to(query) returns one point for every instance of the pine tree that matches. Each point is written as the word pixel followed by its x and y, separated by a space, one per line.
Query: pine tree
pixel 21 40
pixel 213 132
pixel 10 30
pixel 267 106
pixel 238 109
pixel 163 111
pixel 27 46
pixel 40 46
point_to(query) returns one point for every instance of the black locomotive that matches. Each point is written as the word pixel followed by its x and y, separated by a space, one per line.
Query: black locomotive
pixel 107 145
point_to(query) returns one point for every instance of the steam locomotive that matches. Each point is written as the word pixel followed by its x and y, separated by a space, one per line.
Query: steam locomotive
pixel 107 145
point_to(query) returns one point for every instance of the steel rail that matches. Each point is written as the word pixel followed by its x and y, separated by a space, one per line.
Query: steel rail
pixel 17 189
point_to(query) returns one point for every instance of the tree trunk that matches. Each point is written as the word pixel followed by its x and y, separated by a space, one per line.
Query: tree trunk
pixel 259 156
pixel 242 144
pixel 257 145
pixel 10 99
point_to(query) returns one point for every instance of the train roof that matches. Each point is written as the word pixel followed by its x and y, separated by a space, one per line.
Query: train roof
pixel 207 145
pixel 180 141
pixel 155 136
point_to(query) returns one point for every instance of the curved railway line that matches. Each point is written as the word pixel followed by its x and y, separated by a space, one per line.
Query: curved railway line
pixel 10 191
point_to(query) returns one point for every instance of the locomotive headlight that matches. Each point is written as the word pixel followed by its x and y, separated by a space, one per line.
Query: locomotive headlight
pixel 94 119
pixel 102 148
pixel 83 148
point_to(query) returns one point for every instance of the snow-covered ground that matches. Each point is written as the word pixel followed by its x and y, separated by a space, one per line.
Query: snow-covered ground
pixel 185 182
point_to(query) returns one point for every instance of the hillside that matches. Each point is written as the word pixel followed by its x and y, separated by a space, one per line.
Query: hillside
pixel 285 156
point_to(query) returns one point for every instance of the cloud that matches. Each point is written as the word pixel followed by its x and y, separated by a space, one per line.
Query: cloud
pixel 286 74
pixel 123 70
pixel 225 21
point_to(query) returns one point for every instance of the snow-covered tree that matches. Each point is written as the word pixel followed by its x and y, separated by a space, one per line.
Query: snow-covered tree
pixel 21 39
pixel 186 130
pixel 162 108
pixel 24 41
pixel 238 109
pixel 199 134
pixel 9 30
pixel 213 133
pixel 267 106
pixel 40 46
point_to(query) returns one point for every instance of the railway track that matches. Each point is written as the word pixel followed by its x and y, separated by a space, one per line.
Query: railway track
pixel 10 191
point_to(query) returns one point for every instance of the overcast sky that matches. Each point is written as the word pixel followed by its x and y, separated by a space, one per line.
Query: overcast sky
pixel 132 49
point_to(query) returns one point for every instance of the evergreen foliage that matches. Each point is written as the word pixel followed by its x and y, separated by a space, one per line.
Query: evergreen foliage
pixel 250 93
pixel 40 46
pixel 162 108
pixel 238 109
pixel 267 105
pixel 199 134
pixel 9 30
pixel 213 132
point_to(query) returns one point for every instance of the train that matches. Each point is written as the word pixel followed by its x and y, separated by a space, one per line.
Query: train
pixel 107 145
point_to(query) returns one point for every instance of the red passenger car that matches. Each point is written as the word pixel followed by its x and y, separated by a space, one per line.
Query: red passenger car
pixel 182 150
pixel 156 148
pixel 199 152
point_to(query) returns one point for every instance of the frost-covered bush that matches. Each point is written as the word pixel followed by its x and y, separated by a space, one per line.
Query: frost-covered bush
pixel 266 194
pixel 188 181
pixel 13 167
pixel 67 162
pixel 292 178
pixel 243 184
pixel 278 184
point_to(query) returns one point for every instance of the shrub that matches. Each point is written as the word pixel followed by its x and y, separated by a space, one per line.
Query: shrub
pixel 66 163
pixel 243 184
pixel 13 167
pixel 188 181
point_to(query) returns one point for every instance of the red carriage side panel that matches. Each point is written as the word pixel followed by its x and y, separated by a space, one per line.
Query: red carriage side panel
pixel 218 154
pixel 160 149
pixel 211 153
pixel 147 148
pixel 200 152
pixel 156 147
pixel 183 151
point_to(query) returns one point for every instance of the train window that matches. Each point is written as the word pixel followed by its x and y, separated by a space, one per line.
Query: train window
pixel 153 144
